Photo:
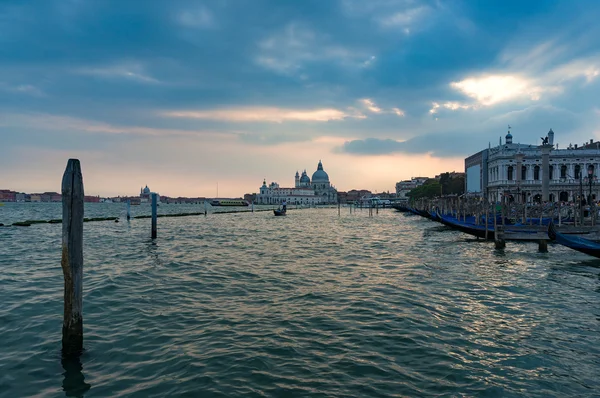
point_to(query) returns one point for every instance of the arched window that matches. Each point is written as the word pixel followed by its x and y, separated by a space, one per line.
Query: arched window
pixel 551 172
pixel 577 171
pixel 564 196
pixel 510 173
pixel 563 172
pixel 590 170
pixel 536 173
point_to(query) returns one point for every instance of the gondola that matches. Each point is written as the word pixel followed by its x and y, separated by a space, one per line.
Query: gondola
pixel 574 242
pixel 471 229
pixel 279 212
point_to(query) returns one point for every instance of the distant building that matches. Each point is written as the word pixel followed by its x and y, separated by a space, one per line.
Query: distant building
pixel 355 195
pixel 8 195
pixel 404 187
pixel 305 192
pixel 35 197
pixel 145 195
pixel 274 194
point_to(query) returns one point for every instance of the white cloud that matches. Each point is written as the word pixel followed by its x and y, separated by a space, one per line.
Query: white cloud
pixel 370 61
pixel 451 105
pixel 198 18
pixel 23 89
pixel 130 71
pixel 403 19
pixel 492 89
pixel 266 114
pixel 370 105
pixel 289 50
pixel 398 111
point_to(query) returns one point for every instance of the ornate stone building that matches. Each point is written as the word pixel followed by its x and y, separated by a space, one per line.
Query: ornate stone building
pixel 516 171
pixel 305 191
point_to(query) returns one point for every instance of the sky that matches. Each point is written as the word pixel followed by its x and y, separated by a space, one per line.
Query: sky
pixel 188 96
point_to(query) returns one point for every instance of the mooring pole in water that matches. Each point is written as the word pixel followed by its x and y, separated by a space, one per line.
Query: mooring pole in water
pixel 128 209
pixel 253 206
pixel 205 208
pixel 339 208
pixel 72 258
pixel 154 215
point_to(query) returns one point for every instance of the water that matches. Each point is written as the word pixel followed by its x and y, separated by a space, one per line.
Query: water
pixel 307 305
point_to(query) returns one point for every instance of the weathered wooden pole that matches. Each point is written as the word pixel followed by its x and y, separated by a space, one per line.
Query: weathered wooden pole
pixel 253 206
pixel 72 258
pixel 205 212
pixel 339 208
pixel 154 215
pixel 128 209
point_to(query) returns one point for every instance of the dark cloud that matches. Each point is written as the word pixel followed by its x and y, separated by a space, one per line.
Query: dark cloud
pixel 123 63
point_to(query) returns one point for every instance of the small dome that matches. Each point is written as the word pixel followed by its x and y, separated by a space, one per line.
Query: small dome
pixel 320 175
pixel 146 190
pixel 304 178
pixel 509 135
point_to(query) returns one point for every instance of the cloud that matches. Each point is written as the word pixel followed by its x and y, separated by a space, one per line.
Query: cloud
pixel 398 111
pixel 451 105
pixel 130 71
pixel 64 123
pixel 27 89
pixel 266 114
pixel 404 19
pixel 455 140
pixel 490 90
pixel 200 18
pixel 290 50
pixel 370 105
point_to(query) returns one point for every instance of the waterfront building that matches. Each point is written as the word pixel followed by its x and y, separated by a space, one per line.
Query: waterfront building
pixel 404 187
pixel 7 195
pixel 274 194
pixel 516 171
pixel 306 191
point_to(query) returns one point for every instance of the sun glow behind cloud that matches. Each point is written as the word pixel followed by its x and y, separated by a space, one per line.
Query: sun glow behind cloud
pixel 266 114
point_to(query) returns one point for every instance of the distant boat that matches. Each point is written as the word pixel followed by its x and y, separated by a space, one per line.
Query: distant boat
pixel 279 212
pixel 229 202
pixel 574 242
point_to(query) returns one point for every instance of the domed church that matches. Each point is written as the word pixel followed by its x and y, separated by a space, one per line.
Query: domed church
pixel 319 183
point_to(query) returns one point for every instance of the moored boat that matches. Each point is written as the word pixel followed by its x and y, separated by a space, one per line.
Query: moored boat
pixel 229 202
pixel 471 229
pixel 279 212
pixel 574 242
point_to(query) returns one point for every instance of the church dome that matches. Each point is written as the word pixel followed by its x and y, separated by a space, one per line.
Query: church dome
pixel 304 178
pixel 146 190
pixel 320 175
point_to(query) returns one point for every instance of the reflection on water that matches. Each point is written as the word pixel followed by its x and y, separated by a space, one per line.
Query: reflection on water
pixel 310 304
pixel 74 384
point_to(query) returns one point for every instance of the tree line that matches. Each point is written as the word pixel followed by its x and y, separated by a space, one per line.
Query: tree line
pixel 446 185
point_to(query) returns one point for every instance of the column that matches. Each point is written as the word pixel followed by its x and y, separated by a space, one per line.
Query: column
pixel 519 160
pixel 545 176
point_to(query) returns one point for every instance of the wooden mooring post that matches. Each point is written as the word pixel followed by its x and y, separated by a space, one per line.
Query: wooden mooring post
pixel 154 200
pixel 128 209
pixel 72 258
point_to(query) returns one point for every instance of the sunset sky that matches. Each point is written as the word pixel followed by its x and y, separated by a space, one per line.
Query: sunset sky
pixel 185 95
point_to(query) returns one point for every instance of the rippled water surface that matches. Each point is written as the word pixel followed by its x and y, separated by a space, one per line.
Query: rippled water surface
pixel 312 304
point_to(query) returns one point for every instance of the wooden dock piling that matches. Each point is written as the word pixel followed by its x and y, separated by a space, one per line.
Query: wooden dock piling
pixel 128 209
pixel 154 200
pixel 72 258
